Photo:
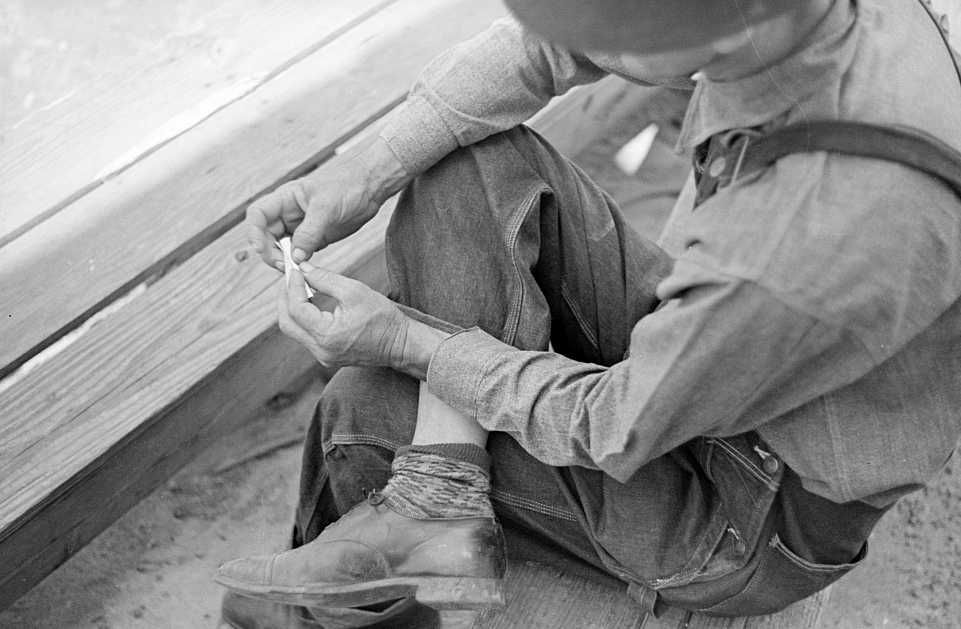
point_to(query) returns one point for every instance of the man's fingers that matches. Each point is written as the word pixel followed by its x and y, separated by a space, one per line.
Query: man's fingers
pixel 328 283
pixel 310 322
pixel 286 323
pixel 267 219
pixel 307 238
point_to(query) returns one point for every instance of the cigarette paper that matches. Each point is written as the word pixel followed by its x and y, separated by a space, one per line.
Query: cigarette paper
pixel 289 265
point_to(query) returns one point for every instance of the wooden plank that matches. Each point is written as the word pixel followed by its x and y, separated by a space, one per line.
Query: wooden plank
pixel 167 352
pixel 542 597
pixel 163 76
pixel 100 390
pixel 142 393
pixel 125 231
pixel 806 613
pixel 238 390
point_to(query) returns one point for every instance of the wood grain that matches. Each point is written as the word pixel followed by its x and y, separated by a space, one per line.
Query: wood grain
pixel 131 400
pixel 212 55
pixel 192 190
pixel 140 394
pixel 541 597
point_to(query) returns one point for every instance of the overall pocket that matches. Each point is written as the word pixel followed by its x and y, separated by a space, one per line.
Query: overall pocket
pixel 781 578
pixel 742 484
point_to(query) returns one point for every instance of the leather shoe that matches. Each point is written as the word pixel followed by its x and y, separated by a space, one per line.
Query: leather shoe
pixel 241 612
pixel 374 554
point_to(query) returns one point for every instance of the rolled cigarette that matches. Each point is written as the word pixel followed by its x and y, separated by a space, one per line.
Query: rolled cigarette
pixel 289 265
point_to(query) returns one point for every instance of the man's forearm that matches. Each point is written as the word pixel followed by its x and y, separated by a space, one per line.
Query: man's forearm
pixel 386 176
pixel 419 345
pixel 488 84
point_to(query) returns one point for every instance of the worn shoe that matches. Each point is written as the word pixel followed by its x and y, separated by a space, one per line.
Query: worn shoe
pixel 241 612
pixel 374 554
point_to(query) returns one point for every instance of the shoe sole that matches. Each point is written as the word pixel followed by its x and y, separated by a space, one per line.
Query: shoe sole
pixel 435 592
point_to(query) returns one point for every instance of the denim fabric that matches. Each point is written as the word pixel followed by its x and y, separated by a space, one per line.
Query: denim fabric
pixel 510 237
pixel 817 304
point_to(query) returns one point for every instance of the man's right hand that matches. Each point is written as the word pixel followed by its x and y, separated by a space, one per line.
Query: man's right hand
pixel 324 206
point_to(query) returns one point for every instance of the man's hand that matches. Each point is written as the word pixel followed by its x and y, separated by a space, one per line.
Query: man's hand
pixel 324 206
pixel 363 327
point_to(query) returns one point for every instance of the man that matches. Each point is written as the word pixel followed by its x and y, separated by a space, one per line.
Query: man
pixel 716 422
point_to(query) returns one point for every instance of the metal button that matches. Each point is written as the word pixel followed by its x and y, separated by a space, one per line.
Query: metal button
pixel 717 167
pixel 770 465
pixel 739 546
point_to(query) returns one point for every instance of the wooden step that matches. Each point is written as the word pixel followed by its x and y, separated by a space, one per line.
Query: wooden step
pixel 154 332
pixel 178 343
pixel 541 597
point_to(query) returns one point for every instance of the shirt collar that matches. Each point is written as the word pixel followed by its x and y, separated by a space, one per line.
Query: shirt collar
pixel 761 97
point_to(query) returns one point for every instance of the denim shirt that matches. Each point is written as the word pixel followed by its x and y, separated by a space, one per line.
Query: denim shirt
pixel 817 303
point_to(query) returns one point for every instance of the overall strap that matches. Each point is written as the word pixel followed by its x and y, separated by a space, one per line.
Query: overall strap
pixel 742 152
pixel 749 152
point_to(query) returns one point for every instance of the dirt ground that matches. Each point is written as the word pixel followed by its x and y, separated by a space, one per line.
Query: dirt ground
pixel 153 568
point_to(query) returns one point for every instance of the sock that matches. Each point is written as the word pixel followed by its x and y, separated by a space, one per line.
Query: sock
pixel 448 480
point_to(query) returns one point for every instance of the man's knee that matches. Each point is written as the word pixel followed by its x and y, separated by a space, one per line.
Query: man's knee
pixel 469 189
pixel 367 405
pixel 362 417
pixel 463 231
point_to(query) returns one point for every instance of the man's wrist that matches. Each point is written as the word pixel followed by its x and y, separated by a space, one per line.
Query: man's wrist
pixel 386 175
pixel 419 346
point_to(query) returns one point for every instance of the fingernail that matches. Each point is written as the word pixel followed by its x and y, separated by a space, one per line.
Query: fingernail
pixel 299 255
pixel 279 266
pixel 307 267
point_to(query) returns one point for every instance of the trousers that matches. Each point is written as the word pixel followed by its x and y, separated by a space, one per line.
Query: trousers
pixel 510 236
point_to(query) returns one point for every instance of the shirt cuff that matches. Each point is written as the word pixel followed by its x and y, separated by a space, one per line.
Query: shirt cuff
pixel 417 135
pixel 459 366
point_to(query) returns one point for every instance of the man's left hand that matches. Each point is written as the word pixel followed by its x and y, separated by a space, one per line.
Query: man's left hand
pixel 363 327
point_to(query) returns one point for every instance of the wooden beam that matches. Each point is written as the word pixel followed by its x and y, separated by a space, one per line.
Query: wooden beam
pixel 171 369
pixel 205 58
pixel 142 393
pixel 192 190
pixel 133 469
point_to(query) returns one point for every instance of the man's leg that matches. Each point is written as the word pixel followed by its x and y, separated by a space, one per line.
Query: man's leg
pixel 509 236
pixel 365 415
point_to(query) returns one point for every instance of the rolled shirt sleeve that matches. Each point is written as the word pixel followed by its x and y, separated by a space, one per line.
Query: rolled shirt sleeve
pixel 705 363
pixel 487 84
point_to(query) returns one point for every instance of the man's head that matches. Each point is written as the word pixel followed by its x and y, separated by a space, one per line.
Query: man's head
pixel 681 34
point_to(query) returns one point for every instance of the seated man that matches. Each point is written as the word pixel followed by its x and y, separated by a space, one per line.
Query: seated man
pixel 716 422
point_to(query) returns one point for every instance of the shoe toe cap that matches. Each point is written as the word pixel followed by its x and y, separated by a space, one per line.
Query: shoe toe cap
pixel 253 571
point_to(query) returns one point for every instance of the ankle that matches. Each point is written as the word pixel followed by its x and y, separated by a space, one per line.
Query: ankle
pixel 466 452
pixel 429 485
